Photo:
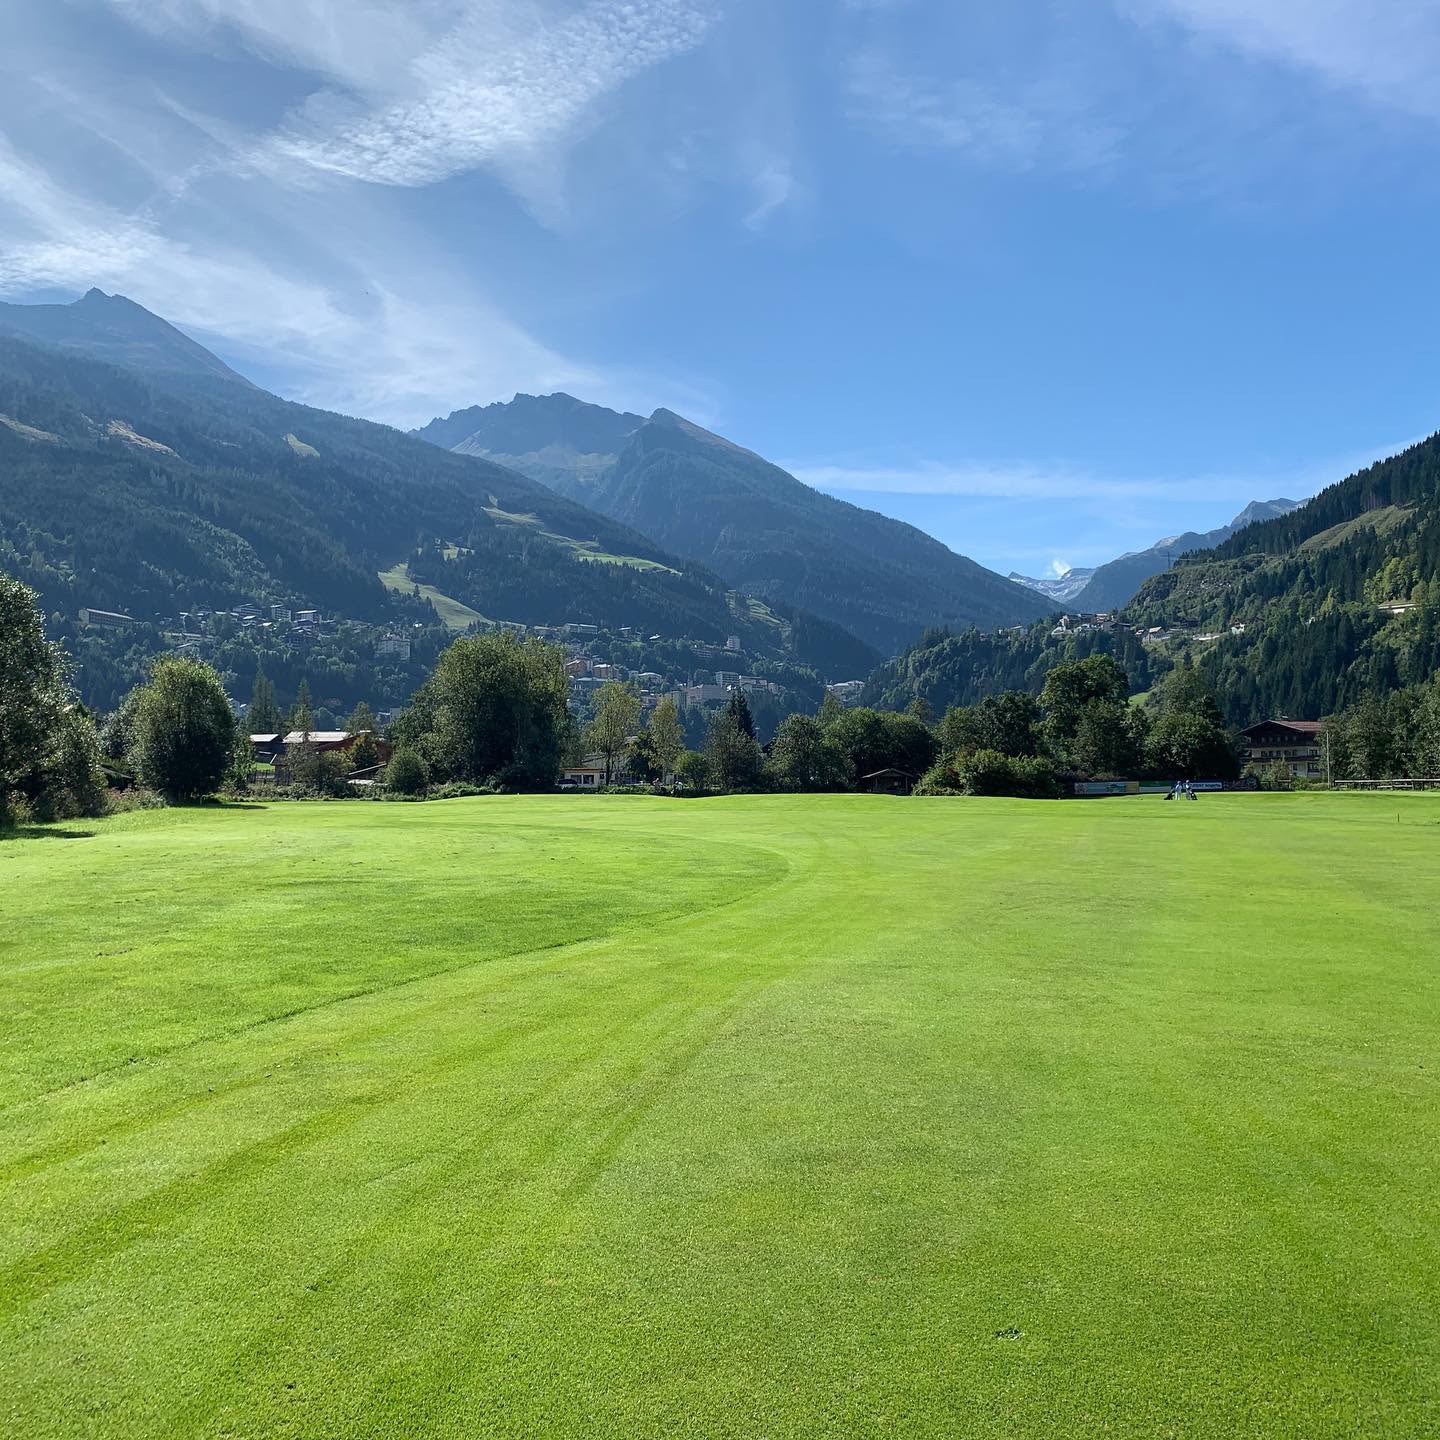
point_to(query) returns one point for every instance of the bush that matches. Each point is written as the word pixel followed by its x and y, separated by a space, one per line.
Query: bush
pixel 15 811
pixel 317 772
pixel 122 802
pixel 407 773
pixel 242 765
pixel 1035 778
pixel 692 770
pixel 74 782
pixel 464 789
pixel 988 772
pixel 942 778
pixel 1274 776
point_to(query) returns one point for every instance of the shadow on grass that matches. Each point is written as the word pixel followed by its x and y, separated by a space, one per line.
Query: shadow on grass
pixel 44 832
pixel 213 804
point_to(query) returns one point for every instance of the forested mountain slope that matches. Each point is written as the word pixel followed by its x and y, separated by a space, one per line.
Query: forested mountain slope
pixel 725 507
pixel 1116 583
pixel 157 493
pixel 948 668
pixel 1339 599
pixel 1300 615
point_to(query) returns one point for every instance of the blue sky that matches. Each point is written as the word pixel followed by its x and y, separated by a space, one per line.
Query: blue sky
pixel 1051 279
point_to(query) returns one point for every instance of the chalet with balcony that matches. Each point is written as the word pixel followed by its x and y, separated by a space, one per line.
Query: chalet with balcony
pixel 1294 743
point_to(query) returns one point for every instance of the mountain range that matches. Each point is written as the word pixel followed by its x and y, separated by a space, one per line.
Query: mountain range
pixel 1063 587
pixel 714 502
pixel 169 483
pixel 110 327
pixel 1109 586
pixel 143 475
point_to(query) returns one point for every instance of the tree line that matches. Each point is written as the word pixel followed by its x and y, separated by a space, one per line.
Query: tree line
pixel 1385 737
pixel 1083 725
pixel 494 714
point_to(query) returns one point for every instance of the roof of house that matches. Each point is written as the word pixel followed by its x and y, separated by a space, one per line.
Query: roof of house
pixel 271 739
pixel 317 737
pixel 1300 727
pixel 890 774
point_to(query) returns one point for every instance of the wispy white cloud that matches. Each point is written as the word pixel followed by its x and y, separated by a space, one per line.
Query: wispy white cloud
pixel 1387 50
pixel 1014 125
pixel 321 284
pixel 361 44
pixel 1003 481
pixel 484 93
pixel 773 186
pixel 1024 481
pixel 371 346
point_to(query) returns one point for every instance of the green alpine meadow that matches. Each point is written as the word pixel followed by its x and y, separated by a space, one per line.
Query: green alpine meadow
pixel 754 1116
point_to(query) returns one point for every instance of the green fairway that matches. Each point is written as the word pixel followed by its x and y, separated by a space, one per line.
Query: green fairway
pixel 755 1117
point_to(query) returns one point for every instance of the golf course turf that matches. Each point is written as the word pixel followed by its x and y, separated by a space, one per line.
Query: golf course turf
pixel 752 1117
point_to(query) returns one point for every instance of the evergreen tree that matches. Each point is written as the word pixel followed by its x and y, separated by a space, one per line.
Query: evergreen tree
pixel 1427 730
pixel 830 711
pixel 302 714
pixel 263 716
pixel 920 709
pixel 364 754
pixel 737 707
pixel 362 720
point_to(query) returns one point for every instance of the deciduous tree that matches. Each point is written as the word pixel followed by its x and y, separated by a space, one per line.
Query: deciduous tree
pixel 616 717
pixel 667 736
pixel 32 692
pixel 803 757
pixel 732 755
pixel 493 710
pixel 184 734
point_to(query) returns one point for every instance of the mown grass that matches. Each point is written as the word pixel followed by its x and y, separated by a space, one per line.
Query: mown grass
pixel 753 1117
